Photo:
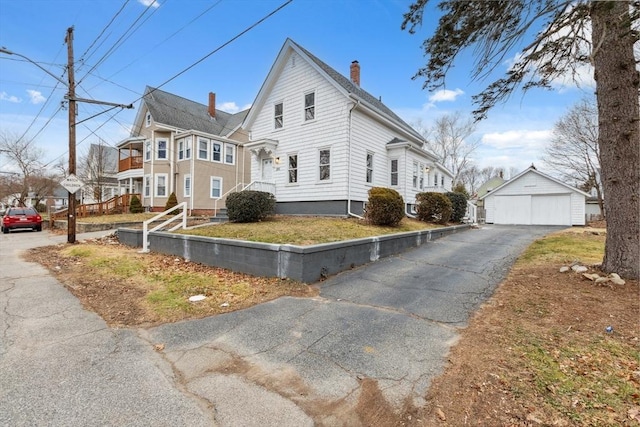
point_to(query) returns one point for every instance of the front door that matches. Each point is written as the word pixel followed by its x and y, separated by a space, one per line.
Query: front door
pixel 267 169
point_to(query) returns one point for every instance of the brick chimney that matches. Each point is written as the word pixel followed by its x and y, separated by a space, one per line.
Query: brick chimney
pixel 355 73
pixel 212 104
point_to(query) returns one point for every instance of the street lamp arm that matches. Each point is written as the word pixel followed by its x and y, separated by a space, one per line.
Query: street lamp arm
pixel 8 52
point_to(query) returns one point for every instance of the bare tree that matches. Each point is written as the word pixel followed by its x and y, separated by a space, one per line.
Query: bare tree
pixel 557 37
pixel 573 152
pixel 471 178
pixel 450 141
pixel 97 168
pixel 25 158
pixel 489 172
pixel 513 171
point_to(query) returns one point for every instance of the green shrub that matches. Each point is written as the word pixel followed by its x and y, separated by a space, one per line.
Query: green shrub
pixel 172 202
pixel 460 188
pixel 458 204
pixel 135 206
pixel 385 207
pixel 433 207
pixel 250 206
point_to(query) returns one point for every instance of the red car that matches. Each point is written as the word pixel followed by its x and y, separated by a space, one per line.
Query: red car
pixel 21 218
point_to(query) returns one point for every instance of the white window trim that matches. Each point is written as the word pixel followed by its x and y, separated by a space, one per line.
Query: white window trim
pixel 297 181
pixel 157 148
pixel 146 189
pixel 147 119
pixel 304 107
pixel 147 150
pixel 367 168
pixel 186 191
pixel 166 184
pixel 415 175
pixel 221 152
pixel 274 115
pixel 206 155
pixel 233 154
pixel 211 179
pixel 188 147
pixel 319 165
pixel 397 172
pixel 181 150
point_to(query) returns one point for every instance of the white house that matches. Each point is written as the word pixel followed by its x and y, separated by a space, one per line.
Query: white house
pixel 534 198
pixel 319 142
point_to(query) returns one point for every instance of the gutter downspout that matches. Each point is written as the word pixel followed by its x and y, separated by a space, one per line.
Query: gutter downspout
pixel 349 213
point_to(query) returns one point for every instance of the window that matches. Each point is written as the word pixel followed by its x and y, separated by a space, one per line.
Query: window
pixel 435 181
pixel 369 168
pixel 148 119
pixel 203 149
pixel 309 106
pixel 415 174
pixel 161 153
pixel 278 115
pixel 442 181
pixel 216 152
pixel 181 149
pixel 421 176
pixel 229 153
pixel 394 172
pixel 187 148
pixel 293 168
pixel 216 187
pixel 161 185
pixel 325 165
pixel 187 186
pixel 147 151
pixel 147 186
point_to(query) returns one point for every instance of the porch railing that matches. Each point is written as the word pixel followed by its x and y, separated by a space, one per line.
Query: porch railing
pixel 132 162
pixel 115 205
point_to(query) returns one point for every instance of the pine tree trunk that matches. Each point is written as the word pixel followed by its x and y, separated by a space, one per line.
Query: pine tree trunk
pixel 617 83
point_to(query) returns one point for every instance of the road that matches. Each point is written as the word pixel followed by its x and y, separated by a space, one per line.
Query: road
pixel 370 343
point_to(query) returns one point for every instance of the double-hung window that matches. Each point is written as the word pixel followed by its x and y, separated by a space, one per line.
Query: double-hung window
pixel 229 153
pixel 148 119
pixel 394 172
pixel 161 150
pixel 278 115
pixel 293 168
pixel 203 149
pixel 147 151
pixel 216 187
pixel 187 185
pixel 216 152
pixel 181 149
pixel 147 186
pixel 309 106
pixel 369 175
pixel 415 174
pixel 325 164
pixel 421 176
pixel 187 148
pixel 161 184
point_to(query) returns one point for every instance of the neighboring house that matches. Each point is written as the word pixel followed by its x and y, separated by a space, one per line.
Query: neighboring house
pixel 181 146
pixel 487 187
pixel 534 198
pixel 100 175
pixel 319 142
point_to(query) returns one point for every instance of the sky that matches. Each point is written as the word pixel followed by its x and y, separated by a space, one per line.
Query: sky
pixel 193 47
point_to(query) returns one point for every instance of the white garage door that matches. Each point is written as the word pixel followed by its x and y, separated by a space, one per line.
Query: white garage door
pixel 551 209
pixel 533 210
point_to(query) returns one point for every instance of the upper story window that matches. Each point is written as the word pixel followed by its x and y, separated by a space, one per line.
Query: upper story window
pixel 216 152
pixel 147 151
pixel 203 149
pixel 278 112
pixel 187 148
pixel 229 153
pixel 161 150
pixel 369 168
pixel 147 119
pixel 181 149
pixel 309 106
pixel 394 172
pixel 442 181
pixel 293 168
pixel 325 165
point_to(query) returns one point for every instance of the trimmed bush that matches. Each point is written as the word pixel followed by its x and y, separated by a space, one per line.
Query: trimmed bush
pixel 433 207
pixel 460 188
pixel 172 202
pixel 458 204
pixel 136 205
pixel 385 207
pixel 250 206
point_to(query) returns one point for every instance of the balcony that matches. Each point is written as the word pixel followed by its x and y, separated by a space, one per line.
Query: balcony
pixel 132 162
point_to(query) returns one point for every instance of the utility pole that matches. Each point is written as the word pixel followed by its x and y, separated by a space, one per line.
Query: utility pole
pixel 71 212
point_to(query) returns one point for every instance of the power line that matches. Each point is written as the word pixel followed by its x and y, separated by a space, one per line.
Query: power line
pixel 102 32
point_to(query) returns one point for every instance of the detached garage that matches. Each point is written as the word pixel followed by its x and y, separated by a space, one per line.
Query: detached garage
pixel 533 198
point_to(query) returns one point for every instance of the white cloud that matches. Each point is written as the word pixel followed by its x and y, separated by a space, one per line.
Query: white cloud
pixel 147 3
pixel 232 107
pixel 4 96
pixel 445 95
pixel 530 139
pixel 36 96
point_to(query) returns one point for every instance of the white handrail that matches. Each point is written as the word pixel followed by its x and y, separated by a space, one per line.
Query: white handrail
pixel 472 213
pixel 215 202
pixel 145 225
pixel 268 186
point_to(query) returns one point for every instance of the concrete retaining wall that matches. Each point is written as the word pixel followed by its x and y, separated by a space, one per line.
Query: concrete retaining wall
pixel 304 263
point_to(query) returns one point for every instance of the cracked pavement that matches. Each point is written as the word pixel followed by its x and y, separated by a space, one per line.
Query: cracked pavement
pixel 287 362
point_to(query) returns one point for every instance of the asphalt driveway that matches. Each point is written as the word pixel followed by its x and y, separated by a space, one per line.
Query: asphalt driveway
pixel 372 340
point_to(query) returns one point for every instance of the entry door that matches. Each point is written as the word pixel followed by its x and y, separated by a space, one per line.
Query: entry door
pixel 267 169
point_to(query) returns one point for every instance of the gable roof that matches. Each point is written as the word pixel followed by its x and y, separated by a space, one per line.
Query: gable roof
pixel 176 111
pixel 343 84
pixel 532 169
pixel 109 156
